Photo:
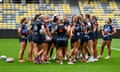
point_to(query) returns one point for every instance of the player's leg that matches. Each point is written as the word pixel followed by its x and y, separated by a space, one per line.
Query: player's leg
pixel 30 51
pixel 102 48
pixel 35 49
pixel 50 51
pixel 90 46
pixel 59 55
pixel 84 46
pixel 45 55
pixel 95 49
pixel 37 52
pixel 75 47
pixel 67 55
pixel 79 49
pixel 22 49
pixel 108 43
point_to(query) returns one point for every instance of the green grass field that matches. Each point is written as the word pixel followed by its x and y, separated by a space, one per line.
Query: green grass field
pixel 10 48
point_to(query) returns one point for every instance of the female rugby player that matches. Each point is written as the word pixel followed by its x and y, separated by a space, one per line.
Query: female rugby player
pixel 76 33
pixel 47 36
pixel 23 33
pixel 61 41
pixel 39 40
pixel 107 32
pixel 89 34
pixel 95 32
pixel 30 38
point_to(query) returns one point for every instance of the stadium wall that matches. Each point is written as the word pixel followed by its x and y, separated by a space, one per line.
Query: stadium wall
pixel 10 33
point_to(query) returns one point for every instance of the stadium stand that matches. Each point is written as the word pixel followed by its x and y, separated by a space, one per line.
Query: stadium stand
pixel 102 9
pixel 11 13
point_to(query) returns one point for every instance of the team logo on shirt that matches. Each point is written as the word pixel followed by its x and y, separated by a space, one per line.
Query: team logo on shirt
pixel 60 30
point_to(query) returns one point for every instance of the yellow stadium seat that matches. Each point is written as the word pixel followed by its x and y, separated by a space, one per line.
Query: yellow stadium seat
pixel 0 25
pixel 37 12
pixel 56 8
pixel 48 12
pixel 6 5
pixel 11 26
pixel 45 12
pixel 47 1
pixel 4 25
pixel 18 18
pixel 22 7
pixel 31 5
pixel 9 12
pixel 1 5
pixel 28 14
pixel 61 17
pixel 52 5
pixel 52 12
pixel 40 12
pixel 118 22
pixel 101 23
pixel 0 17
pixel 18 6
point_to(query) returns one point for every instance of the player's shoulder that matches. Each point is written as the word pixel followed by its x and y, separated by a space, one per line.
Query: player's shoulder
pixel 112 26
pixel 22 25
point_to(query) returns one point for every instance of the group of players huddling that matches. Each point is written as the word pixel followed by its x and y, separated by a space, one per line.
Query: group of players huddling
pixel 45 34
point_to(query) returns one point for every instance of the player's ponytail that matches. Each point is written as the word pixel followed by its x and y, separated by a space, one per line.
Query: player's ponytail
pixel 36 16
pixel 61 21
pixel 55 19
pixel 110 20
pixel 79 19
pixel 87 15
pixel 22 20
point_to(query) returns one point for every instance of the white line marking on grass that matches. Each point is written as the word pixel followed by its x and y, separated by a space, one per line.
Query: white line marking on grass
pixel 117 49
pixel 113 48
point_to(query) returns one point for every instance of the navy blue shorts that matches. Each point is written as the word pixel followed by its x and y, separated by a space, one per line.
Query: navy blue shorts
pixel 22 39
pixel 82 41
pixel 74 38
pixel 92 36
pixel 96 35
pixel 38 39
pixel 61 42
pixel 30 37
pixel 107 38
pixel 85 38
pixel 54 39
pixel 48 41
